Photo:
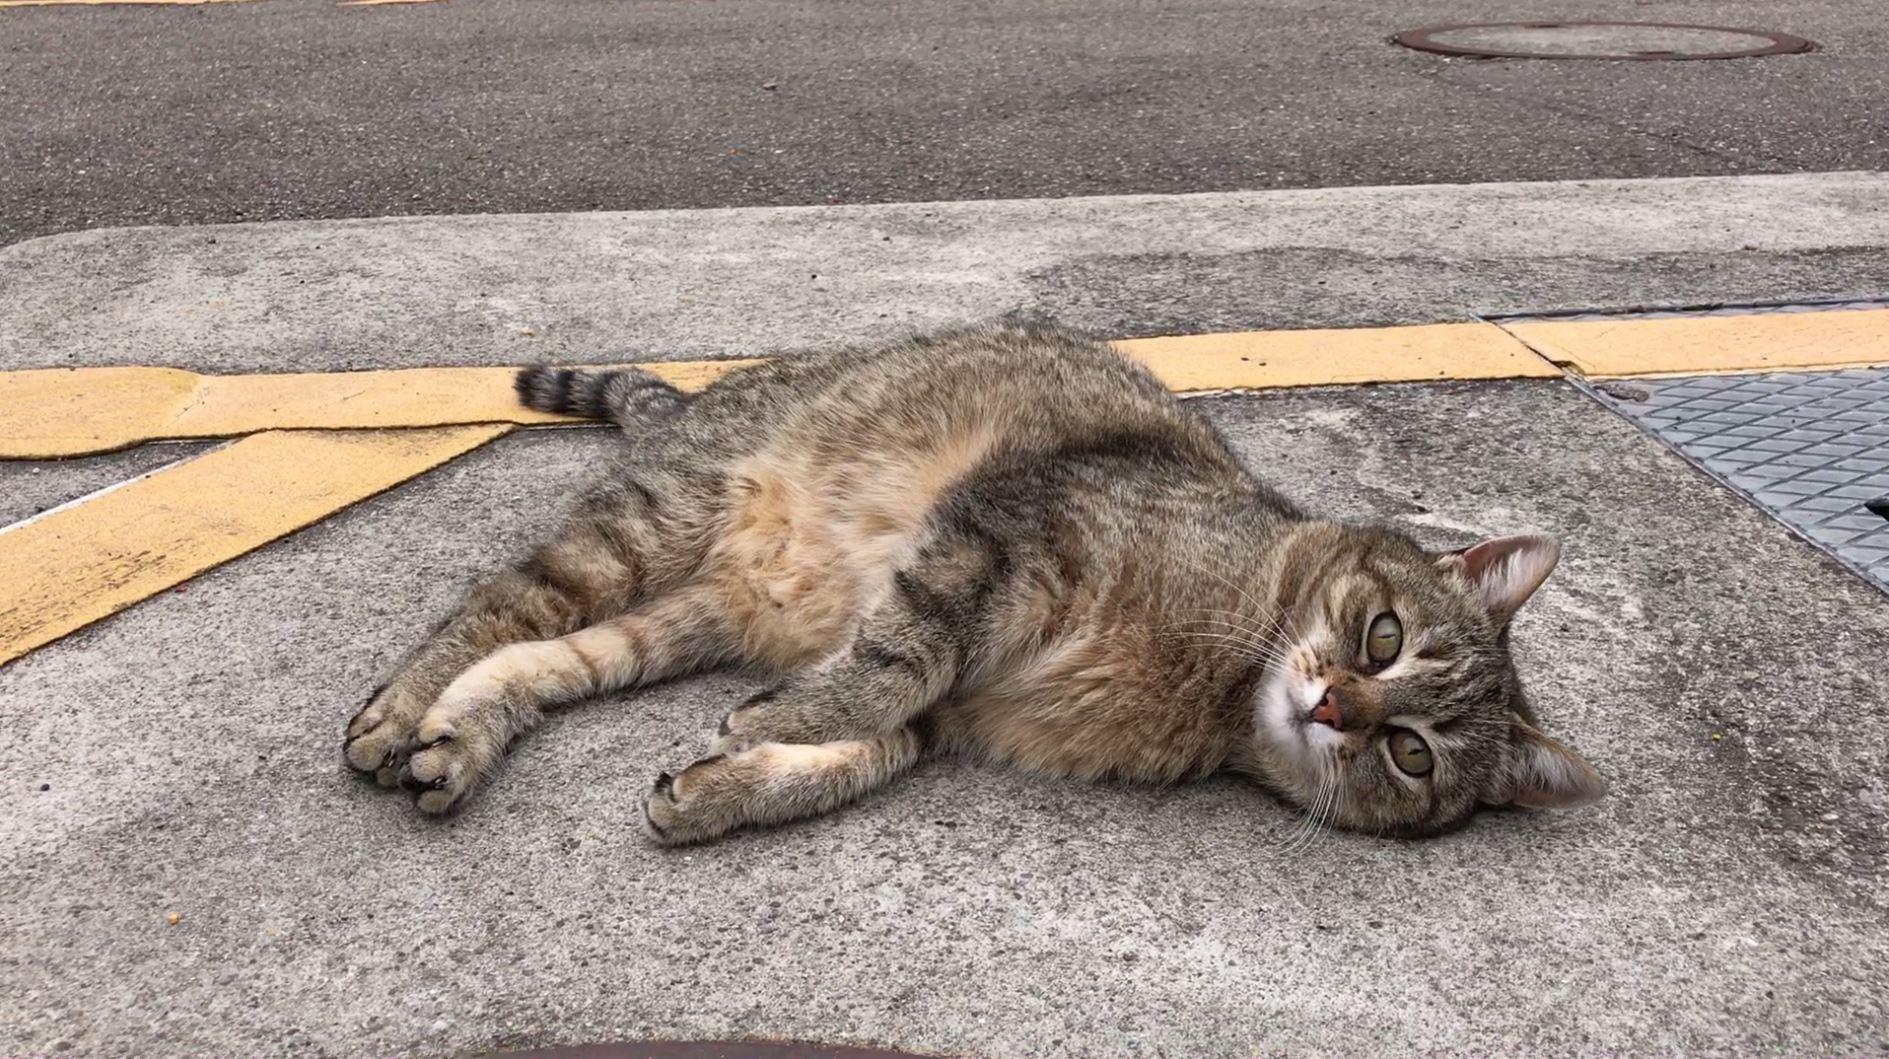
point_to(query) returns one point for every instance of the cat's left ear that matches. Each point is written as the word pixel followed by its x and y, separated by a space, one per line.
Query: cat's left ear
pixel 1505 571
pixel 1543 774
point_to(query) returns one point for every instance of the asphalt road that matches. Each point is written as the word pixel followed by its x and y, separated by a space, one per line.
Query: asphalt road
pixel 304 109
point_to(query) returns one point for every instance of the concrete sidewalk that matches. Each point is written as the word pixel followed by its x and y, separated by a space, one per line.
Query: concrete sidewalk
pixel 674 285
pixel 181 757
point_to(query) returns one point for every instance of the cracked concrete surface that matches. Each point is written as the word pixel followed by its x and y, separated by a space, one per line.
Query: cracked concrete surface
pixel 1726 899
pixel 182 757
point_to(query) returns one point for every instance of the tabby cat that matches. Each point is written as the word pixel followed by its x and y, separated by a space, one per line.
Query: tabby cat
pixel 1007 543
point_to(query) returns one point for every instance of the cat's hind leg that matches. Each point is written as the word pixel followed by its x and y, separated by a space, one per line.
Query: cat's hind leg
pixel 773 783
pixel 463 736
pixel 630 541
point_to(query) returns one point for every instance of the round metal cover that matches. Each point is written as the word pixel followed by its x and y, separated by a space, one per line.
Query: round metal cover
pixel 1599 40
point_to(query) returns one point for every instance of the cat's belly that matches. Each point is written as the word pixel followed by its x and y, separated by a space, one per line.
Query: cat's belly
pixel 793 579
pixel 816 533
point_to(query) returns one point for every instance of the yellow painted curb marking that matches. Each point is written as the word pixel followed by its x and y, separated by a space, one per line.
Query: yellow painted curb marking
pixel 58 412
pixel 96 556
pixel 75 564
pixel 62 412
pixel 114 3
pixel 1695 345
pixel 1243 360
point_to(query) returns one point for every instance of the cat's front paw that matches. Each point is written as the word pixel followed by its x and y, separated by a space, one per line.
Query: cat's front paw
pixel 765 719
pixel 728 741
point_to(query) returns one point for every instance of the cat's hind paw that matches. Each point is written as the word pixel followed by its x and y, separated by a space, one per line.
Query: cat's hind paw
pixel 380 735
pixel 448 761
pixel 679 810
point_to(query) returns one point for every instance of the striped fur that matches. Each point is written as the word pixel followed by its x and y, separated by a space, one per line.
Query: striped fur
pixel 625 396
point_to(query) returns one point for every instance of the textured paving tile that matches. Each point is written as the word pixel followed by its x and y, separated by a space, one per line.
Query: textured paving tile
pixel 1809 447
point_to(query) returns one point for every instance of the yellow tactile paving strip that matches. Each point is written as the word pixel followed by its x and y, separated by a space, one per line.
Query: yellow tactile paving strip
pixel 73 565
pixel 1242 360
pixel 319 442
pixel 1693 345
pixel 59 412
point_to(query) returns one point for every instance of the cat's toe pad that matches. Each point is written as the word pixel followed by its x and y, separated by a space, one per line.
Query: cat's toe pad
pixel 378 738
pixel 445 765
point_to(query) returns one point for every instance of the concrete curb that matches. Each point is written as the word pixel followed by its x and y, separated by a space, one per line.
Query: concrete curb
pixel 662 285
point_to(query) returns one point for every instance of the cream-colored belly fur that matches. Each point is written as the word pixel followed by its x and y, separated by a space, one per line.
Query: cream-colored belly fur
pixel 817 531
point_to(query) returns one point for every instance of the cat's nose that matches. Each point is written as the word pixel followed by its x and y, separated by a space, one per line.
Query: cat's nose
pixel 1327 711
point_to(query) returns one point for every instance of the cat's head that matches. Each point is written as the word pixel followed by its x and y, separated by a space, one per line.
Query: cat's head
pixel 1394 706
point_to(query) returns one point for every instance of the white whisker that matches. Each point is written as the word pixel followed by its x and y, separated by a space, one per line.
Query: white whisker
pixel 1318 809
pixel 1206 627
pixel 1232 635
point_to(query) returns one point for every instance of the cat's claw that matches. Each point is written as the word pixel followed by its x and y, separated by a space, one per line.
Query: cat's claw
pixel 445 765
pixel 660 812
pixel 670 816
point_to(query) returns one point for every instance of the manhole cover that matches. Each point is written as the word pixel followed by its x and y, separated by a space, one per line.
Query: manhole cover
pixel 1599 40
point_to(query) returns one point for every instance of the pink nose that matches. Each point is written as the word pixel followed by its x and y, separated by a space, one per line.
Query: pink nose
pixel 1327 712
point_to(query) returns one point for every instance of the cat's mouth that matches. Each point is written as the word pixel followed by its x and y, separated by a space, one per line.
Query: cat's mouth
pixel 1288 705
pixel 1315 734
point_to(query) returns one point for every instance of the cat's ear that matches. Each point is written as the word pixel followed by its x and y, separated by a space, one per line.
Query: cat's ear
pixel 1543 774
pixel 1505 571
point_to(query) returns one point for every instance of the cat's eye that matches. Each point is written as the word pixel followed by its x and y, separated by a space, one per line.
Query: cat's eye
pixel 1384 639
pixel 1410 752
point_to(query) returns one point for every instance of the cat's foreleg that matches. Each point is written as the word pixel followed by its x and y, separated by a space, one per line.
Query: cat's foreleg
pixel 772 784
pixel 865 690
pixel 907 654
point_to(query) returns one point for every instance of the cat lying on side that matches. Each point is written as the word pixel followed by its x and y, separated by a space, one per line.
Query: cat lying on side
pixel 1010 543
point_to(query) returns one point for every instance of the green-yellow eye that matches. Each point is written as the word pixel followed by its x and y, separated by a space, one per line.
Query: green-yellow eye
pixel 1385 639
pixel 1410 752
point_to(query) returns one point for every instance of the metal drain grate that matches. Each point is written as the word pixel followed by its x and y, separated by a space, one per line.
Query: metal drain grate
pixel 1811 448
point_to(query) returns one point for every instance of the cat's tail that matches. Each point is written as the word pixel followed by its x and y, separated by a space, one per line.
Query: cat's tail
pixel 625 396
